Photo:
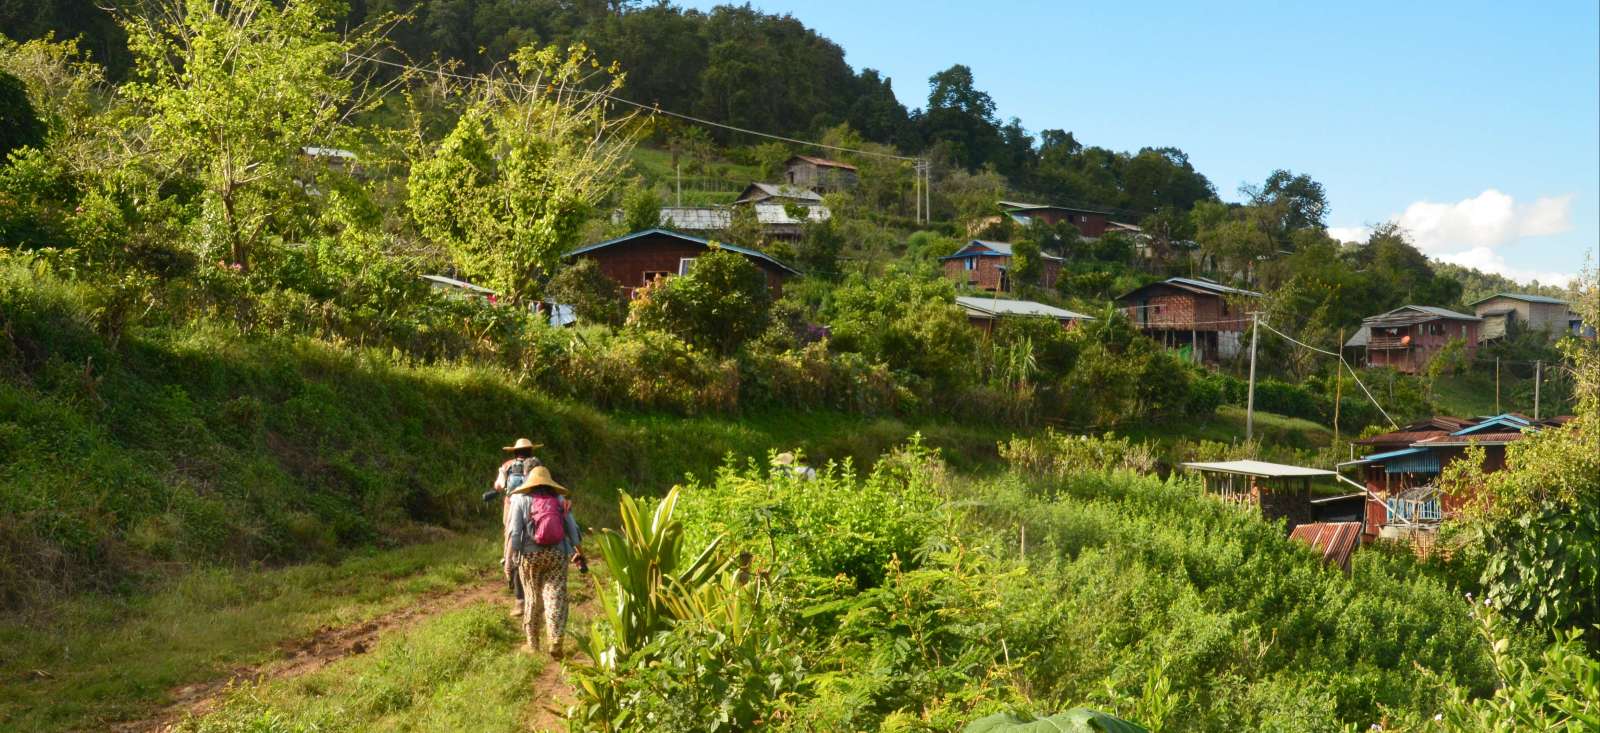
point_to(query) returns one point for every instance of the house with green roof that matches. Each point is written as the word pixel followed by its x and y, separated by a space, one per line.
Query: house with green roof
pixel 1504 314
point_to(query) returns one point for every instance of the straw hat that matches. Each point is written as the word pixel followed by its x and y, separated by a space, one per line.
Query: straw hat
pixel 783 459
pixel 523 443
pixel 540 476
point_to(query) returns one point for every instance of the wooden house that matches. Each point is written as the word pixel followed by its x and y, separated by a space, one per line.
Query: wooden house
pixel 1090 222
pixel 637 259
pixel 1406 338
pixel 984 313
pixel 1401 475
pixel 778 193
pixel 1507 313
pixel 819 174
pixel 1280 491
pixel 1203 316
pixel 986 266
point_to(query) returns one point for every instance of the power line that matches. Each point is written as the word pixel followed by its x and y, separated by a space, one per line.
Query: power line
pixel 1347 366
pixel 647 107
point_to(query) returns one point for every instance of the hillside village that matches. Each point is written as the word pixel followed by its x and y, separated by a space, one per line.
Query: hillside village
pixel 799 405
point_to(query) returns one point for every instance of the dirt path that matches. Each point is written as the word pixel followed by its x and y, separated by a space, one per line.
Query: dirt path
pixel 309 654
pixel 552 693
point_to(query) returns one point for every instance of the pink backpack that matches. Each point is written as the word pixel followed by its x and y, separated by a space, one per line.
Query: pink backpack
pixel 547 514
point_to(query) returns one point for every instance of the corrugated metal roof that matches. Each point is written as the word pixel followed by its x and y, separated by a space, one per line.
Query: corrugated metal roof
pixel 1405 437
pixel 754 254
pixel 1507 420
pixel 778 190
pixel 1376 457
pixel 774 213
pixel 1476 439
pixel 995 307
pixel 1359 338
pixel 1525 297
pixel 1261 469
pixel 696 218
pixel 1337 541
pixel 1406 315
pixel 822 162
pixel 997 249
pixel 1013 206
pixel 451 282
pixel 318 152
pixel 1194 285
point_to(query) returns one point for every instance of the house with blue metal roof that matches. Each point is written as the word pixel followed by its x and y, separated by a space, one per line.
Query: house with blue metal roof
pixel 637 259
pixel 986 266
pixel 1401 475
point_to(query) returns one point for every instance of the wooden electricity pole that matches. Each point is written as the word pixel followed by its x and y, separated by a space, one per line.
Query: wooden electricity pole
pixel 1250 402
pixel 1338 390
pixel 1538 376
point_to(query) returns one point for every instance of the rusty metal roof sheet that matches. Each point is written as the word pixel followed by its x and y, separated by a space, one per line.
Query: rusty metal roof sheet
pixel 1337 541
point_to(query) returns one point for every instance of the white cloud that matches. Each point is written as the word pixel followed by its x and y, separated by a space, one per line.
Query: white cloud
pixel 1490 219
pixel 1350 234
pixel 1474 231
pixel 1488 260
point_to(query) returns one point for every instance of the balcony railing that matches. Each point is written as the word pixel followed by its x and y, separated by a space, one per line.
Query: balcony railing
pixel 1389 342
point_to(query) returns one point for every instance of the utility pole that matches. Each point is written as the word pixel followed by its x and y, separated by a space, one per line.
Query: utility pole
pixel 916 188
pixel 1497 385
pixel 1538 376
pixel 1338 390
pixel 1250 402
pixel 678 171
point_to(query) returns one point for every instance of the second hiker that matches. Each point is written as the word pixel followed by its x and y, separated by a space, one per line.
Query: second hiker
pixel 512 473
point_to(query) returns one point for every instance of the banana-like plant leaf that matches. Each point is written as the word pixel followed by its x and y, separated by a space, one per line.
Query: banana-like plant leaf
pixel 1077 720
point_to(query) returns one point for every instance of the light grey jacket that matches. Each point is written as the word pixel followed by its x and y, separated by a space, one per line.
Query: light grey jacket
pixel 521 529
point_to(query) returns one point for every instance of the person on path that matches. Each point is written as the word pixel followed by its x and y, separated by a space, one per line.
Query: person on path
pixel 512 473
pixel 789 463
pixel 544 536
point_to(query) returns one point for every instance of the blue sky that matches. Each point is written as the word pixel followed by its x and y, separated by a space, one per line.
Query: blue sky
pixel 1476 125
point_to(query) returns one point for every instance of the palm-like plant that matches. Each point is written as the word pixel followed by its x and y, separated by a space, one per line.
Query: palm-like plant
pixel 649 591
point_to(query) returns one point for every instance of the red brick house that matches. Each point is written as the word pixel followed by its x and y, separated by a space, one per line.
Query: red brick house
pixel 1401 475
pixel 1204 316
pixel 638 258
pixel 1407 337
pixel 986 266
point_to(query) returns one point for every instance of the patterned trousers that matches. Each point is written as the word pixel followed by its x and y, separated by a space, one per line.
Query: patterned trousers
pixel 544 595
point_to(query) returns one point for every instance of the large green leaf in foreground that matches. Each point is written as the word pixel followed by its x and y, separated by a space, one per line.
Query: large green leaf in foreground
pixel 1077 720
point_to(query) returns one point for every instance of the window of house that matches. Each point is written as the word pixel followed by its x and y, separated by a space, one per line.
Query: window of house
pixel 684 264
pixel 651 276
pixel 971 262
pixel 1224 307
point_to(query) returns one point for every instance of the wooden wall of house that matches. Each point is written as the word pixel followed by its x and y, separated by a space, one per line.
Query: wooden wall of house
pixel 1549 317
pixel 1088 224
pixel 1427 339
pixel 1171 308
pixel 628 262
pixel 986 273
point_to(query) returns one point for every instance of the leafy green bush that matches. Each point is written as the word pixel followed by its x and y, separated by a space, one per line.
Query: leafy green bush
pixel 836 525
pixel 721 303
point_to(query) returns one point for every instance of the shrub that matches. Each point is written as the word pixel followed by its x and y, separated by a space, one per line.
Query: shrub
pixel 721 303
pixel 594 296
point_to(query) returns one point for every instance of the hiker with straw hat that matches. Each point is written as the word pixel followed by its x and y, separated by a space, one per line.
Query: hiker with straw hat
pixel 543 535
pixel 511 475
pixel 789 463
